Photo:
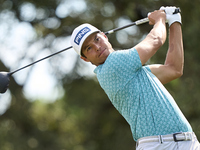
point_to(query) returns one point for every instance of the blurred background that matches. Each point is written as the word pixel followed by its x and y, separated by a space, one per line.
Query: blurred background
pixel 58 104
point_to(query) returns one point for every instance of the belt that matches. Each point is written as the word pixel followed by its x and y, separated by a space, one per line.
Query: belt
pixel 176 137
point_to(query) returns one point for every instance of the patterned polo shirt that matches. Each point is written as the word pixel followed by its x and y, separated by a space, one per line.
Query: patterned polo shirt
pixel 139 96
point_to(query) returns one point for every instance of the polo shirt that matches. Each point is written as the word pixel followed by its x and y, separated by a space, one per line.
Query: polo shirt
pixel 139 96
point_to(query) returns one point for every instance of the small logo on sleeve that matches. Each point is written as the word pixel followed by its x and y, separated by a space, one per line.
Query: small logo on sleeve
pixel 81 34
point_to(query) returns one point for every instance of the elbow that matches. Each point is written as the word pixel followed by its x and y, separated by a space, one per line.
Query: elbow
pixel 179 70
pixel 178 73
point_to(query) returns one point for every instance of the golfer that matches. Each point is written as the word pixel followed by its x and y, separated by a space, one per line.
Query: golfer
pixel 137 91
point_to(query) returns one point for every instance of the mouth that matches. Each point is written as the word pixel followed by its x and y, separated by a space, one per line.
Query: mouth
pixel 102 52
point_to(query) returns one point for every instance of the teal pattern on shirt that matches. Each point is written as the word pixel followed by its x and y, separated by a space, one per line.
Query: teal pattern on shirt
pixel 139 96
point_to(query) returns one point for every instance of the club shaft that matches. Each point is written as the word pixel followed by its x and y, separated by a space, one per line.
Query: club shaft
pixel 120 28
pixel 141 21
pixel 10 73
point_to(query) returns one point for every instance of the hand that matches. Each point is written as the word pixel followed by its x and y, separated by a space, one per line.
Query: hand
pixel 156 16
pixel 170 17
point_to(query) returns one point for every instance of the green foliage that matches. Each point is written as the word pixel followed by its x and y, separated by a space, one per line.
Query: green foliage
pixel 84 119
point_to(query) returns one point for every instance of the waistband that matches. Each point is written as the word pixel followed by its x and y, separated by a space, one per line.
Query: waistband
pixel 176 137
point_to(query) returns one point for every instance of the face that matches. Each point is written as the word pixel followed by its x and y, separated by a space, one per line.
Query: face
pixel 96 48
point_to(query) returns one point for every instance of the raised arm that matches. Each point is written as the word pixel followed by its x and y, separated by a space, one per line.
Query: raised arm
pixel 173 66
pixel 155 39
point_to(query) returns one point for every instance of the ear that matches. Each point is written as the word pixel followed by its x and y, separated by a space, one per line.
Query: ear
pixel 85 59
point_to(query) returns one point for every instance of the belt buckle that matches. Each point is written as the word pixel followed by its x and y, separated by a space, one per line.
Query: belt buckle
pixel 175 139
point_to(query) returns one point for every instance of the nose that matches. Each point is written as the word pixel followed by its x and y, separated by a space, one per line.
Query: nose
pixel 97 47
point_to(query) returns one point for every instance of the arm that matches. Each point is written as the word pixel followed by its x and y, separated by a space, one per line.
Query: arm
pixel 173 66
pixel 155 39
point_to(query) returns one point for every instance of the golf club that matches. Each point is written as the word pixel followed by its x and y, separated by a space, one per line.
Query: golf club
pixel 5 76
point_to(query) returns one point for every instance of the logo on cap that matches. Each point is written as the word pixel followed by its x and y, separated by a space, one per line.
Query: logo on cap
pixel 81 34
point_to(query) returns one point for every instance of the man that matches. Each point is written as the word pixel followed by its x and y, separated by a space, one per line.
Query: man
pixel 137 91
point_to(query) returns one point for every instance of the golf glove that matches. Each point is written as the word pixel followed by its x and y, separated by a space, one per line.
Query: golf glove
pixel 170 17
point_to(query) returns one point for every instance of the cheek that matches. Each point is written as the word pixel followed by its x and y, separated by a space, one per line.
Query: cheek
pixel 91 55
pixel 107 43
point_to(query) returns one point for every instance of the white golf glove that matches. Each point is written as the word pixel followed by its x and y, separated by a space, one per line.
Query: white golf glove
pixel 170 17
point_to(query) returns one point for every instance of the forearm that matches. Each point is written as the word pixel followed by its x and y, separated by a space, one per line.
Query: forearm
pixel 175 54
pixel 158 33
pixel 155 39
pixel 173 66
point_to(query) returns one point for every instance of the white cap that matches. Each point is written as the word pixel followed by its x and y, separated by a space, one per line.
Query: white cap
pixel 80 34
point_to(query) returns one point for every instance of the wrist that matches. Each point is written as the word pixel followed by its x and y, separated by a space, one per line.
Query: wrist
pixel 160 20
pixel 175 26
pixel 173 18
